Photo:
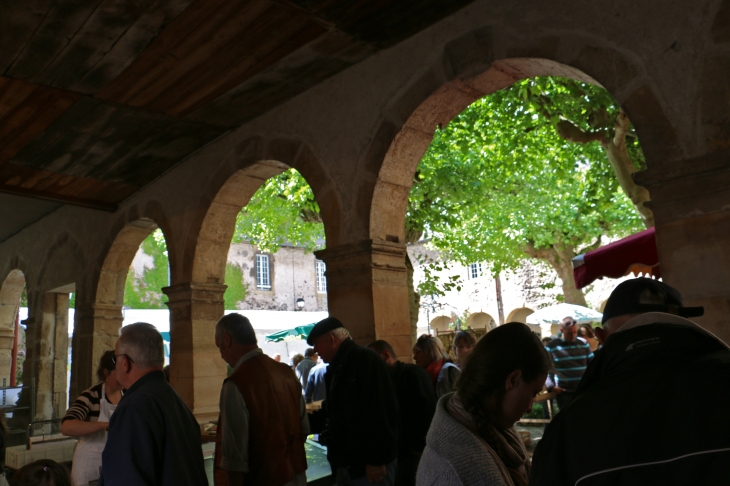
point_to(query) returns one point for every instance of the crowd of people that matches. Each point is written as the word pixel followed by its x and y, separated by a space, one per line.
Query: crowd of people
pixel 440 421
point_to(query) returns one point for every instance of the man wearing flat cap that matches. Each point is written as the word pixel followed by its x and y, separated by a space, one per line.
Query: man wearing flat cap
pixel 651 407
pixel 358 420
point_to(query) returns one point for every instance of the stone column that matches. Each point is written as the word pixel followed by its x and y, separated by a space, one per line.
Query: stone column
pixel 52 357
pixel 196 368
pixel 95 331
pixel 8 313
pixel 691 204
pixel 367 290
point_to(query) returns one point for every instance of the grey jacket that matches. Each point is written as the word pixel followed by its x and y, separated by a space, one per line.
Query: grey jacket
pixel 454 456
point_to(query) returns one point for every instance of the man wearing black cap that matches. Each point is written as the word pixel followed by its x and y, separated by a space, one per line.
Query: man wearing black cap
pixel 358 419
pixel 651 408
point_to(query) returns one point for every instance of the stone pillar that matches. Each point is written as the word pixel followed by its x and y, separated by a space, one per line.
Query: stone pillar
pixel 60 357
pixel 8 313
pixel 95 331
pixel 52 357
pixel 196 368
pixel 367 289
pixel 691 204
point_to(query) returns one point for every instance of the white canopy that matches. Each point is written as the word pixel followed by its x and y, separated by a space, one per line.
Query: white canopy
pixel 556 313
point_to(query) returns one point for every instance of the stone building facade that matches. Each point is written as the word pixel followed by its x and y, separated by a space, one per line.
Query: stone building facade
pixel 529 288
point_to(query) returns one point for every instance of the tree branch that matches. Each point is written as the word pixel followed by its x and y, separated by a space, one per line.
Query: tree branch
pixel 572 133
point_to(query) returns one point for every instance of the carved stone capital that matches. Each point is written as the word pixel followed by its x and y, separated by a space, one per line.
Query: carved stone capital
pixel 366 262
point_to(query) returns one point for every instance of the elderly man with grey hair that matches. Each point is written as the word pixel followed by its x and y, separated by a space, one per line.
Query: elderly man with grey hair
pixel 153 437
pixel 263 421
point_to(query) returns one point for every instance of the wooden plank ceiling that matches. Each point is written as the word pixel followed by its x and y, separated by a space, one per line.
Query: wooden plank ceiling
pixel 100 97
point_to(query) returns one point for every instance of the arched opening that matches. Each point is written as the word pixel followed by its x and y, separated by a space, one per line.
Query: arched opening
pixel 440 324
pixel 10 300
pixel 481 320
pixel 228 267
pixel 97 327
pixel 390 200
pixel 519 315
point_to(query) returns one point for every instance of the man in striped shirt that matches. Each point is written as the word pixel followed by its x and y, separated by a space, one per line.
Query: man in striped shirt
pixel 570 358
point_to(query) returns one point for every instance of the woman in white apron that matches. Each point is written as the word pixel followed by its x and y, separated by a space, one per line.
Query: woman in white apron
pixel 88 419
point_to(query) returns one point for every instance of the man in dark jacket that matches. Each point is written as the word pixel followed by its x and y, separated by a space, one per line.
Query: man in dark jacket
pixel 360 411
pixel 153 440
pixel 416 407
pixel 651 408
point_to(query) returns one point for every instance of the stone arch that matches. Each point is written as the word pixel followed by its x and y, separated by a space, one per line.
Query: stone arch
pixel 64 264
pixel 196 294
pixel 232 187
pixel 472 71
pixel 519 315
pixel 216 232
pixel 10 293
pixel 99 306
pixel 114 269
pixel 440 323
pixel 481 320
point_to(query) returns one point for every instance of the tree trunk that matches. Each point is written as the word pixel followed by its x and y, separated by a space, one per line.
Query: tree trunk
pixel 500 305
pixel 559 257
pixel 618 157
pixel 623 166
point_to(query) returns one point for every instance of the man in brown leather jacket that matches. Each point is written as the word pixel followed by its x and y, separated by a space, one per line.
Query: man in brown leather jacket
pixel 263 422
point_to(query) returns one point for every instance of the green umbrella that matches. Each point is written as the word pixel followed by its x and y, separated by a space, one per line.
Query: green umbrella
pixel 299 332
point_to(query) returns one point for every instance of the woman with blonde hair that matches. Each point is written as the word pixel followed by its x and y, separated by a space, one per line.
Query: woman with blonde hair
pixel 429 353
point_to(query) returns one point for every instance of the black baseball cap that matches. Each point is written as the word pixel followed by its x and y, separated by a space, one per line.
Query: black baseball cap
pixel 323 327
pixel 628 296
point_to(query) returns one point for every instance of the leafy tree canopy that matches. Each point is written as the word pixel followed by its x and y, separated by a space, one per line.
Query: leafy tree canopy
pixel 283 210
pixel 500 182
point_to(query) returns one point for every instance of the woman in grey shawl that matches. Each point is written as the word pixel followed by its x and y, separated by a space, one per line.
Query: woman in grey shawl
pixel 472 440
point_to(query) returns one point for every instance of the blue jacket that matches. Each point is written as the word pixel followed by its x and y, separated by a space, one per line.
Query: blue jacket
pixel 153 439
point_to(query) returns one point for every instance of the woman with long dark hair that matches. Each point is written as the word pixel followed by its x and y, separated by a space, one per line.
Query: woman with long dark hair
pixel 472 438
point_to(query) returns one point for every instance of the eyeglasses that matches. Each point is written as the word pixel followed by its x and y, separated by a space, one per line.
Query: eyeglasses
pixel 114 358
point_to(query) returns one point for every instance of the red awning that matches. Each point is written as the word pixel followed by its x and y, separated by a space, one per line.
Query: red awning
pixel 635 254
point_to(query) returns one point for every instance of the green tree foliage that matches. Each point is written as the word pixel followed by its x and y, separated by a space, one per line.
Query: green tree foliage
pixel 236 290
pixel 145 292
pixel 501 183
pixel 282 211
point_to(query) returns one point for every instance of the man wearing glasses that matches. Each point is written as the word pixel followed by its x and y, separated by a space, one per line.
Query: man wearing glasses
pixel 570 358
pixel 153 437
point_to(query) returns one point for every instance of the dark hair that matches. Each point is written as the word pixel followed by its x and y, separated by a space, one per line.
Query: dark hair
pixel 379 346
pixel 309 352
pixel 239 328
pixel 512 346
pixel 431 347
pixel 105 363
pixel 589 330
pixel 571 322
pixel 44 472
pixel 468 337
pixel 296 359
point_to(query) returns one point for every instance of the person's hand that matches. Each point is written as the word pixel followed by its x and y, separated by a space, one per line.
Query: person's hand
pixel 375 474
pixel 558 390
